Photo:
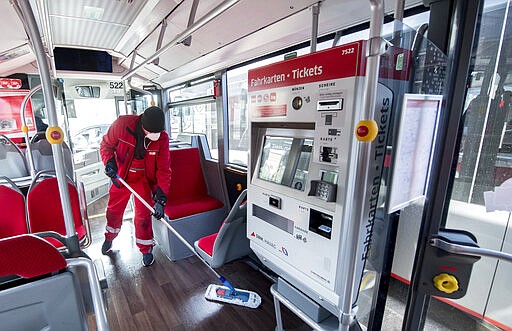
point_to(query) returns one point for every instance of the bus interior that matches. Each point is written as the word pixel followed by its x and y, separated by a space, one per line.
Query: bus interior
pixel 348 161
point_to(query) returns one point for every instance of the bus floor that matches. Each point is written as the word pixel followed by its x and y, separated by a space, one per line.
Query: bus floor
pixel 440 316
pixel 170 295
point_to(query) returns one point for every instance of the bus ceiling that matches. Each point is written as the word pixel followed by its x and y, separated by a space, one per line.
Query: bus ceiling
pixel 124 29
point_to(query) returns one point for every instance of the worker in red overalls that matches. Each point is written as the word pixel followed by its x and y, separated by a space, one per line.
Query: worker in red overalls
pixel 137 148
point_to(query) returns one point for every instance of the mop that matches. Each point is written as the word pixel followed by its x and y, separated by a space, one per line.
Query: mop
pixel 226 293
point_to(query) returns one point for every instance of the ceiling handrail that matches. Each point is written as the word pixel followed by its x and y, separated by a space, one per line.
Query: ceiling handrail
pixel 184 35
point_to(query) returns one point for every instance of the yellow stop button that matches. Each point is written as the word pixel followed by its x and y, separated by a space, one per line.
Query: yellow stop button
pixel 54 135
pixel 446 283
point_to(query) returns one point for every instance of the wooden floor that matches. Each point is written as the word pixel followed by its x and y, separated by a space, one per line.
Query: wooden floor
pixel 170 295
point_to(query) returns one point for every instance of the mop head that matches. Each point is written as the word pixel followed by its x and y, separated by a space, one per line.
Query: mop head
pixel 240 297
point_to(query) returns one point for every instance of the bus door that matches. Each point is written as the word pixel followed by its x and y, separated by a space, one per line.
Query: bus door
pixel 470 182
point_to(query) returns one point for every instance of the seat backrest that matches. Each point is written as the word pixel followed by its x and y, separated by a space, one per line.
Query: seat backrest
pixel 237 216
pixel 42 155
pixel 12 161
pixel 187 179
pixel 13 220
pixel 45 209
pixel 17 257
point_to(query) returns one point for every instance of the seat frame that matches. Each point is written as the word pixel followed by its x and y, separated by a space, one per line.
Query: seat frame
pixel 228 244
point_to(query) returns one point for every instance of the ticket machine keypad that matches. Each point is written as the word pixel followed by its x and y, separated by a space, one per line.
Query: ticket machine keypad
pixel 323 190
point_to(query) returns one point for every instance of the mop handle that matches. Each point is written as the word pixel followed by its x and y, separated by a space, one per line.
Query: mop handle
pixel 166 223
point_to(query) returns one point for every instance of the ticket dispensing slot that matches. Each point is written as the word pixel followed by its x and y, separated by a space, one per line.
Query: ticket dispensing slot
pixel 332 104
pixel 320 223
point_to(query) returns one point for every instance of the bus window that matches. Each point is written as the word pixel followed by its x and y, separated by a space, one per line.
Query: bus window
pixel 413 21
pixel 193 110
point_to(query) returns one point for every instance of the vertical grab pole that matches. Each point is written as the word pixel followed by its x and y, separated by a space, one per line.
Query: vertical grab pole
pixel 25 129
pixel 315 12
pixel 54 134
pixel 363 159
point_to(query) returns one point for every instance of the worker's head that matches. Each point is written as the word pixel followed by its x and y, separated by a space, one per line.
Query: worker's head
pixel 153 122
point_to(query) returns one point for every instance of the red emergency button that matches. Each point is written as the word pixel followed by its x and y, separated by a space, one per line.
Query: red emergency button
pixel 55 135
pixel 366 130
pixel 362 131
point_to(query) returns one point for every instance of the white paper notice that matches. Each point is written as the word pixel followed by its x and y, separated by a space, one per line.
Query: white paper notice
pixel 413 148
pixel 500 199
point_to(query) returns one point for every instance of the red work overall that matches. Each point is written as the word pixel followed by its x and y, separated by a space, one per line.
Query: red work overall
pixel 119 197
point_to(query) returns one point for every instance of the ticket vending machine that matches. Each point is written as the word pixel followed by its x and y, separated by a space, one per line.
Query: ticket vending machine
pixel 303 117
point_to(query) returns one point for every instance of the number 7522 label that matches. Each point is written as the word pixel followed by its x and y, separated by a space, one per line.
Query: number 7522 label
pixel 347 51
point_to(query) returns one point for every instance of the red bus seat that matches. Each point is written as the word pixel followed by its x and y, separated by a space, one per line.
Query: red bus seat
pixel 188 194
pixel 45 210
pixel 13 220
pixel 192 211
pixel 231 242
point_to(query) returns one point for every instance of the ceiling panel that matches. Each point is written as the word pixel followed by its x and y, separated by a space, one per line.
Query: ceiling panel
pixel 149 18
pixel 120 11
pixel 85 33
pixel 94 23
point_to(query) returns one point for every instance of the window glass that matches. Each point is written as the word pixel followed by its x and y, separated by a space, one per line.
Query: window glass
pixel 485 155
pixel 191 92
pixel 414 22
pixel 195 117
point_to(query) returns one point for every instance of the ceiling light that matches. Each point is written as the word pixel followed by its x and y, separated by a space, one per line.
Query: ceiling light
pixel 94 13
pixel 14 53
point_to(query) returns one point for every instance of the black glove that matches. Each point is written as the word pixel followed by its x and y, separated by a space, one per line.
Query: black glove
pixel 159 210
pixel 160 199
pixel 159 196
pixel 111 168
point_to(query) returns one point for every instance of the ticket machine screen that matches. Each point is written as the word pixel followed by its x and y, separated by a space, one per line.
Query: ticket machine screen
pixel 285 161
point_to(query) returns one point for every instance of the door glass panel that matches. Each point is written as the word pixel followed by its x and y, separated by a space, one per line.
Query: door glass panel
pixel 479 202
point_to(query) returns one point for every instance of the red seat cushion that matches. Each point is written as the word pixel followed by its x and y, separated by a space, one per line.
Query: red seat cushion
pixel 29 256
pixel 206 243
pixel 12 213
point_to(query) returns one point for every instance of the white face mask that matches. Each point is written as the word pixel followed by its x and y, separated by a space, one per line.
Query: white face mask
pixel 153 136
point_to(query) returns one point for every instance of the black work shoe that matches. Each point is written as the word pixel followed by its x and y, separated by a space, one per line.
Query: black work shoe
pixel 147 259
pixel 105 248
